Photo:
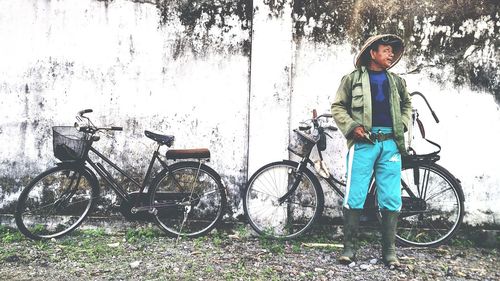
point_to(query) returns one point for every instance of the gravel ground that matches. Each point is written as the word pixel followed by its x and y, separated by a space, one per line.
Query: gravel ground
pixel 145 254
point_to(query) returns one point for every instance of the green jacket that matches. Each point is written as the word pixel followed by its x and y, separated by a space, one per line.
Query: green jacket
pixel 352 106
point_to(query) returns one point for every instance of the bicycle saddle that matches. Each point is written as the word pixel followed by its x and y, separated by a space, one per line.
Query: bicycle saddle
pixel 162 139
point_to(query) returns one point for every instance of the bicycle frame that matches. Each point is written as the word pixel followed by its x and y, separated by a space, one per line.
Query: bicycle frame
pixel 334 183
pixel 115 186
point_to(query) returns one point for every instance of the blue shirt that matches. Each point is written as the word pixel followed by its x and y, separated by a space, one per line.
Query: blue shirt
pixel 381 108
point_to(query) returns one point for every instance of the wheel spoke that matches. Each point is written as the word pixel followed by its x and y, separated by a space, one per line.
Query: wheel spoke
pixel 202 204
pixel 288 219
pixel 433 216
pixel 45 208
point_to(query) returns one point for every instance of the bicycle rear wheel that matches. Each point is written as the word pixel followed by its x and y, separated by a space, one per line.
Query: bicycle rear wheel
pixel 433 206
pixel 294 216
pixel 55 202
pixel 190 199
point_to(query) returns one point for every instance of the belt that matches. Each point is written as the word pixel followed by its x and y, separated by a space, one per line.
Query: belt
pixel 381 136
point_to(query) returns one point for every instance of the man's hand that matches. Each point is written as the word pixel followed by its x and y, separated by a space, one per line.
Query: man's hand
pixel 358 133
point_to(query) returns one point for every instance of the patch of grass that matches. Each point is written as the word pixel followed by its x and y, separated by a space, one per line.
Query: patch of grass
pixel 5 253
pixel 462 242
pixel 218 238
pixel 237 271
pixel 134 235
pixel 199 242
pixel 242 231
pixel 95 232
pixel 271 274
pixel 86 248
pixel 272 245
pixel 296 247
pixel 41 245
pixel 9 235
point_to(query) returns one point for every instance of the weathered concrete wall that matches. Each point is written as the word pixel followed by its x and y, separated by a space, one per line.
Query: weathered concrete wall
pixel 237 76
pixel 452 56
pixel 174 67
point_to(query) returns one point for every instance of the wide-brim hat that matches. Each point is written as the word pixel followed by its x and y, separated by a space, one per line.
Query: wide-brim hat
pixel 386 39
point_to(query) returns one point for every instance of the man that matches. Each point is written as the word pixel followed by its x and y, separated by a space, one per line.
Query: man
pixel 372 108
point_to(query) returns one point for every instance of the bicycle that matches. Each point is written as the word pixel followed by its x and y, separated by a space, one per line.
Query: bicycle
pixel 186 198
pixel 283 199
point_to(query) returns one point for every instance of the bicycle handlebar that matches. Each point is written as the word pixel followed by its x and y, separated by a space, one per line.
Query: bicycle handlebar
pixel 90 127
pixel 316 124
pixel 326 115
pixel 82 112
pixel 428 105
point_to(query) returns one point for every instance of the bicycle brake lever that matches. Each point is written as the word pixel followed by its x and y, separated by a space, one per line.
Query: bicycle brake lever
pixel 328 135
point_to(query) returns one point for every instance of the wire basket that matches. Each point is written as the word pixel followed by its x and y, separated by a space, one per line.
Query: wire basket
pixel 301 143
pixel 68 143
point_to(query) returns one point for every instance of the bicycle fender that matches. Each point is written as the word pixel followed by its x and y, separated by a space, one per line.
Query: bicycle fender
pixel 218 177
pixel 85 168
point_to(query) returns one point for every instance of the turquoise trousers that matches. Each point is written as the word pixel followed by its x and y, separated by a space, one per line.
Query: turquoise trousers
pixel 381 159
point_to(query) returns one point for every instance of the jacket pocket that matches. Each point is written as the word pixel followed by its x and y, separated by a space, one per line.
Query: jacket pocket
pixel 357 98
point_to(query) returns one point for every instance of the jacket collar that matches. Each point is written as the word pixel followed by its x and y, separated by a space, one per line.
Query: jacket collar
pixel 364 69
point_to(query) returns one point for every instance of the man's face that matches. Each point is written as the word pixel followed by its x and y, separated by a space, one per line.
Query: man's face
pixel 382 57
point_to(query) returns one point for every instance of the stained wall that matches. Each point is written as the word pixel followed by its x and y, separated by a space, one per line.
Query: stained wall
pixel 237 77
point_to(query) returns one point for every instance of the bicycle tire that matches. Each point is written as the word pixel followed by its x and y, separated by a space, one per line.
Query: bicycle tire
pixel 432 218
pixel 292 218
pixel 207 199
pixel 56 202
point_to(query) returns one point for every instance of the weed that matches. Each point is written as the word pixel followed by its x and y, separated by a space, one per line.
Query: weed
pixel 272 245
pixel 198 242
pixel 8 235
pixel 209 269
pixel 462 242
pixel 242 231
pixel 270 273
pixel 6 253
pixel 218 238
pixel 134 235
pixel 296 248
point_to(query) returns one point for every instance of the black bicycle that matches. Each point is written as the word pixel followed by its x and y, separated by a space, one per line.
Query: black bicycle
pixel 283 199
pixel 186 198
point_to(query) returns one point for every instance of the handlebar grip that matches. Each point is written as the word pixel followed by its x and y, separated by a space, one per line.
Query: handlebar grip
pixel 81 112
pixel 435 116
pixel 333 128
pixel 117 128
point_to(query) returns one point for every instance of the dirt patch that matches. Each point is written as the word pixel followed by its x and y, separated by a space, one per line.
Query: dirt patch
pixel 145 254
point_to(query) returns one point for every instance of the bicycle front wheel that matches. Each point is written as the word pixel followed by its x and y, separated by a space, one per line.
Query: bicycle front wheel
pixel 433 206
pixel 296 214
pixel 55 202
pixel 189 198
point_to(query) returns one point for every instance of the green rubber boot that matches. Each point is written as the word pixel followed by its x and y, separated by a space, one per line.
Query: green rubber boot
pixel 351 227
pixel 389 223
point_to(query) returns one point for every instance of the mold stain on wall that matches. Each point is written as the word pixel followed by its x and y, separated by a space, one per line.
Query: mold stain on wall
pixel 461 34
pixel 206 24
